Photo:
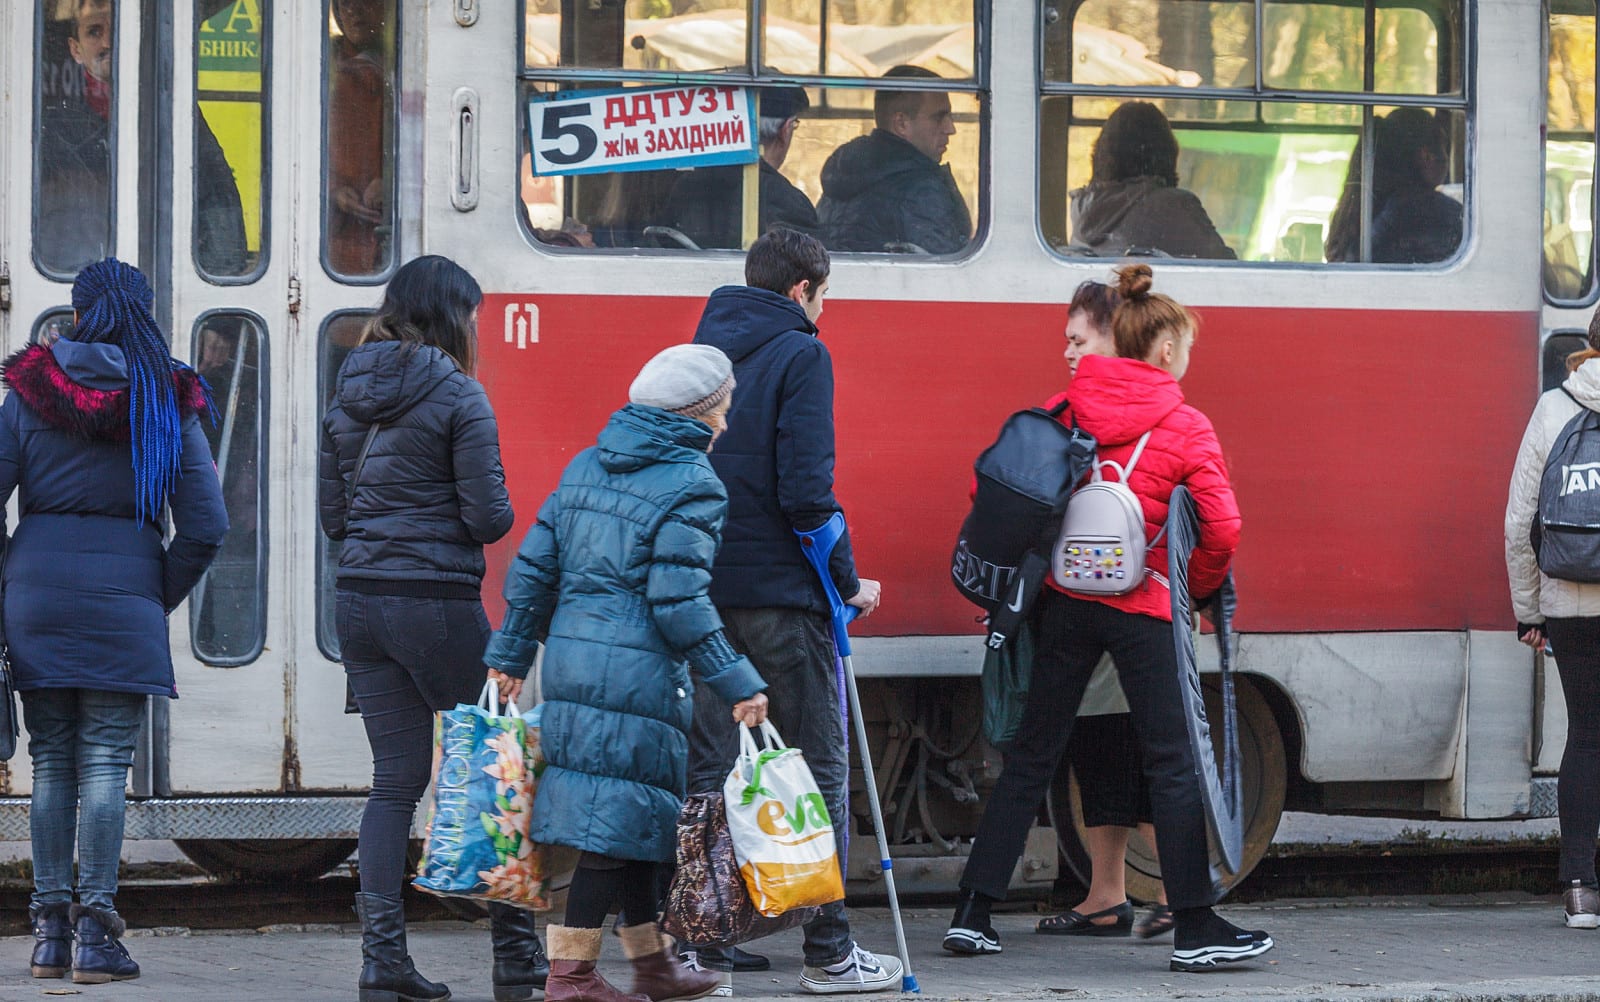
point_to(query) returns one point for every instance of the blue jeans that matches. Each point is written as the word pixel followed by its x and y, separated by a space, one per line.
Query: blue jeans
pixel 81 742
pixel 793 651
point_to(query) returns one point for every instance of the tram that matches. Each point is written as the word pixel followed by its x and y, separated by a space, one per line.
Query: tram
pixel 271 163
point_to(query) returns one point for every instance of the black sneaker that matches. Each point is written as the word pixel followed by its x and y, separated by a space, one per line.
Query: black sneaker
pixel 1222 946
pixel 971 942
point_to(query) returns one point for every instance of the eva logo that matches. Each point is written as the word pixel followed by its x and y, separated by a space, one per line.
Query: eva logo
pixel 809 818
pixel 1579 478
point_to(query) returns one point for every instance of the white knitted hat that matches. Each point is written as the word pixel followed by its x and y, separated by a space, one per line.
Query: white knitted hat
pixel 691 379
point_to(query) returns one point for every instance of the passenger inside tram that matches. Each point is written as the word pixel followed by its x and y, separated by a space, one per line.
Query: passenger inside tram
pixel 890 190
pixel 705 204
pixel 74 149
pixel 1132 204
pixel 360 96
pixel 1413 222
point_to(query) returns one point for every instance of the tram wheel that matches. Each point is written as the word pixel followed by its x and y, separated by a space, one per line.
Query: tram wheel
pixel 263 859
pixel 1263 770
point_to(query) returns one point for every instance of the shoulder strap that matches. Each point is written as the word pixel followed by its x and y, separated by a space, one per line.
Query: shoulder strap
pixel 361 460
pixel 1124 471
pixel 1055 411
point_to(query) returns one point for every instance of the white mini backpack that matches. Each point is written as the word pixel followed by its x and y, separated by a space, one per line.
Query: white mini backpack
pixel 1101 548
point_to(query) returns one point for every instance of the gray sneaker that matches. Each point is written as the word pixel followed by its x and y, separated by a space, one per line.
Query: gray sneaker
pixel 1583 906
pixel 860 971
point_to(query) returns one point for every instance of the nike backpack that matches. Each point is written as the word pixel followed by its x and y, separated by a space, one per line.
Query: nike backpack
pixel 1024 480
pixel 1566 534
pixel 1101 546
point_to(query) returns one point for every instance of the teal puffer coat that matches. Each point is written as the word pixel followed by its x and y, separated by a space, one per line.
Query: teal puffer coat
pixel 613 579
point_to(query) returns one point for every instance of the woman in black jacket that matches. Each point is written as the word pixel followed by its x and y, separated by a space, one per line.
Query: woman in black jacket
pixel 101 431
pixel 410 481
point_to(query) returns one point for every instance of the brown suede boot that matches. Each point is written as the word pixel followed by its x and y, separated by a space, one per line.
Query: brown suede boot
pixel 659 975
pixel 572 976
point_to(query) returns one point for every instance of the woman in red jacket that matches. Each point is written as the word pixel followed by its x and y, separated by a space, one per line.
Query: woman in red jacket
pixel 1119 400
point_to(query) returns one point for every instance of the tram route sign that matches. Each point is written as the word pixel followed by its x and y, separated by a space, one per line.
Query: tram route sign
pixel 642 128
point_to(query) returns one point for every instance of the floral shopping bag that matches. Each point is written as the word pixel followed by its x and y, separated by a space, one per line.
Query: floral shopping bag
pixel 485 770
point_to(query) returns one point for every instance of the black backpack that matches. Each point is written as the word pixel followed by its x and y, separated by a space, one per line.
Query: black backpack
pixel 1566 535
pixel 1002 555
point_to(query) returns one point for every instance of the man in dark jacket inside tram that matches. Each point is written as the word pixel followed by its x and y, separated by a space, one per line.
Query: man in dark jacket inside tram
pixel 706 204
pixel 889 190
pixel 776 460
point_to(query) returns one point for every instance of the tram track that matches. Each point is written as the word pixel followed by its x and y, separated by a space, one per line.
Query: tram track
pixel 180 896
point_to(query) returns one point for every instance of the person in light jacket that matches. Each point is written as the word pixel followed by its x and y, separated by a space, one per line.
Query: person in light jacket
pixel 1566 615
pixel 100 437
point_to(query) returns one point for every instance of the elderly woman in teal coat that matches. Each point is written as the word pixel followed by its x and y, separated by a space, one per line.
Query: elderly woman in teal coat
pixel 613 580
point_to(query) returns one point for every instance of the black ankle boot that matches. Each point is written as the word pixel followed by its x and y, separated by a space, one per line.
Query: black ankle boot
pixel 52 940
pixel 520 967
pixel 387 974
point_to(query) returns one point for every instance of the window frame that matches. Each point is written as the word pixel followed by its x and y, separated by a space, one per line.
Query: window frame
pixel 396 122
pixel 756 74
pixel 327 618
pixel 264 256
pixel 263 482
pixel 43 317
pixel 1258 93
pixel 1591 293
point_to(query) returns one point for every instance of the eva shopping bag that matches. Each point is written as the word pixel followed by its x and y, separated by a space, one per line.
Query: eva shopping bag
pixel 708 904
pixel 782 836
pixel 485 769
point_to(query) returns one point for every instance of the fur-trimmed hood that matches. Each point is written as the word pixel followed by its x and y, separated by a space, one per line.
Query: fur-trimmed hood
pixel 83 387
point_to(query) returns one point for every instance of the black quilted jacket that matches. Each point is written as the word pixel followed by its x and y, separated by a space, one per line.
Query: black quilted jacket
pixel 432 492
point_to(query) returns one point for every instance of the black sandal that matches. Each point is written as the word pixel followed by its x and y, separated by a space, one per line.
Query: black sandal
pixel 1074 924
pixel 1154 924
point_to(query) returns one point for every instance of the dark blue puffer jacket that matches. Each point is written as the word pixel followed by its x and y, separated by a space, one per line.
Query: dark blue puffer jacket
pixel 88 585
pixel 776 458
pixel 613 579
pixel 432 492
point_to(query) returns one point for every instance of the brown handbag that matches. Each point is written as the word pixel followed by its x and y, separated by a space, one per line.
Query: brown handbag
pixel 708 904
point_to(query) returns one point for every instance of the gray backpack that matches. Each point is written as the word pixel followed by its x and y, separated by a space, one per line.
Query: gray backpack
pixel 1566 535
pixel 1101 548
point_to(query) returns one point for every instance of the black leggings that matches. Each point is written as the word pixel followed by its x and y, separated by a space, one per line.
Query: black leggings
pixel 1576 643
pixel 600 882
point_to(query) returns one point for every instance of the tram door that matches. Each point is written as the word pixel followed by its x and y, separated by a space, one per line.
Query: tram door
pixel 184 136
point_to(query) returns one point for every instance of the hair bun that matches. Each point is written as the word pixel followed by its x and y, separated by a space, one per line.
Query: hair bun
pixel 1134 281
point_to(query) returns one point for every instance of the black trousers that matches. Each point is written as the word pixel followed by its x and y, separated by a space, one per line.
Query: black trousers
pixel 1576 643
pixel 1072 634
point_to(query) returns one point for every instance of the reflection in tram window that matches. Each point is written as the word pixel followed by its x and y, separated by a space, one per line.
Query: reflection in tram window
pixel 1314 176
pixel 52 326
pixel 832 162
pixel 75 147
pixel 229 138
pixel 359 189
pixel 1569 152
pixel 340 333
pixel 228 608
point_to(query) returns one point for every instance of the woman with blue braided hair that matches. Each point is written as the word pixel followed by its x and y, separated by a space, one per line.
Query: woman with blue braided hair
pixel 101 432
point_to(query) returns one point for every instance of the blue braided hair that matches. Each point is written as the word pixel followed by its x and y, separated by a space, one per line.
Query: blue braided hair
pixel 113 301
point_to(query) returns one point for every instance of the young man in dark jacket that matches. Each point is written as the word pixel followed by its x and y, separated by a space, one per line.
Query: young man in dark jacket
pixel 776 460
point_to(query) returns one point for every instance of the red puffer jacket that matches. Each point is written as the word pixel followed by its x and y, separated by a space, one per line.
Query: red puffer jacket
pixel 1119 399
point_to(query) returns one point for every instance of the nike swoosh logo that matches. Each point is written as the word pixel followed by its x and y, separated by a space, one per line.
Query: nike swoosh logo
pixel 1015 605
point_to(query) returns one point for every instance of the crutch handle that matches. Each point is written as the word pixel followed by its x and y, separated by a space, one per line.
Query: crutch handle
pixel 817 544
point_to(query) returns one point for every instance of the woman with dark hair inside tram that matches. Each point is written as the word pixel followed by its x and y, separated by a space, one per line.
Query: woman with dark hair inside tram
pixel 1131 403
pixel 1412 221
pixel 410 481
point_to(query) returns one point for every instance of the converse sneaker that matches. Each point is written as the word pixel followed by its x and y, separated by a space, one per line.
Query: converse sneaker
pixel 691 960
pixel 1583 906
pixel 860 971
pixel 1209 940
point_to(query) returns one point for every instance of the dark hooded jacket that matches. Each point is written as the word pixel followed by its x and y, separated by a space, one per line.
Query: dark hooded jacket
pixel 776 457
pixel 88 584
pixel 613 579
pixel 706 205
pixel 1142 215
pixel 879 189
pixel 432 491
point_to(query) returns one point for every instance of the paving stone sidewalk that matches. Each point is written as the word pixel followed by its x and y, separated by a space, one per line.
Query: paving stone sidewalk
pixel 1504 946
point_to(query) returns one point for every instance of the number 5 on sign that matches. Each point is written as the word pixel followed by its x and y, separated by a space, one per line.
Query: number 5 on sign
pixel 595 132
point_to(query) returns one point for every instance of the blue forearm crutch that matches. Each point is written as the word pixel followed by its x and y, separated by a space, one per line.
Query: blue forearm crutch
pixel 818 546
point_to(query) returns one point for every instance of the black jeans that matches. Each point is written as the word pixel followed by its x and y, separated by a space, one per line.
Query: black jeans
pixel 1576 643
pixel 1072 635
pixel 601 881
pixel 793 651
pixel 405 658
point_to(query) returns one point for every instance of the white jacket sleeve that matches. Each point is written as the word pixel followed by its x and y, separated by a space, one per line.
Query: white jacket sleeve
pixel 1522 507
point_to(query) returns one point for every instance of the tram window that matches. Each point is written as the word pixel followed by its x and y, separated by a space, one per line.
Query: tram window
pixel 828 168
pixel 228 608
pixel 359 76
pixel 1569 153
pixel 51 325
pixel 74 166
pixel 340 333
pixel 230 139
